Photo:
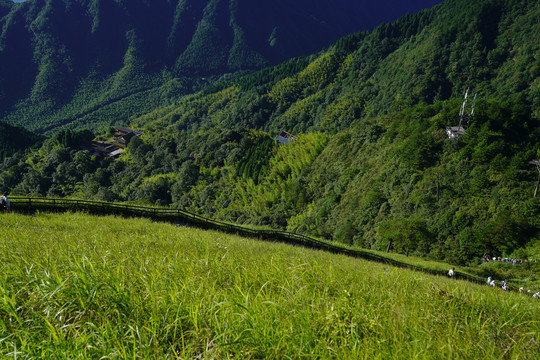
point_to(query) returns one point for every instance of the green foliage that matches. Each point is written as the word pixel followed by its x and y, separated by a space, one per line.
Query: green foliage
pixel 406 235
pixel 506 233
pixel 424 57
pixel 369 115
pixel 258 150
pixel 89 288
pixel 95 63
pixel 350 186
pixel 15 139
pixel 73 139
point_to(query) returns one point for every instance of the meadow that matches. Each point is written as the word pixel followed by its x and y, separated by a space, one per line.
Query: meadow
pixel 78 286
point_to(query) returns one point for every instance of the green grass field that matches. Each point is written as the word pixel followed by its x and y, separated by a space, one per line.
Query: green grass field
pixel 78 286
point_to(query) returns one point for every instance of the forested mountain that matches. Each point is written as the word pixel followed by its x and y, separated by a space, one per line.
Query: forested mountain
pixel 93 62
pixel 371 165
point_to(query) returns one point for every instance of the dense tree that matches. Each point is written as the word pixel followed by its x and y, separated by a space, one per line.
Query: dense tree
pixel 406 235
pixel 371 164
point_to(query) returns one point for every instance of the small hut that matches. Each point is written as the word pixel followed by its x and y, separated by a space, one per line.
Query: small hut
pixel 285 138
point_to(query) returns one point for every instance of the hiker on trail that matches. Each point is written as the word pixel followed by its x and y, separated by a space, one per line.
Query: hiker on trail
pixel 451 272
pixel 5 205
pixel 503 285
pixel 492 283
pixel 489 280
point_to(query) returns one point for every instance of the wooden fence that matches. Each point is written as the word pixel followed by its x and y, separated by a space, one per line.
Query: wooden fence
pixel 29 204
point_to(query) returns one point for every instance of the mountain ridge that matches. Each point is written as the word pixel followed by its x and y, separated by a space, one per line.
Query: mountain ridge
pixel 51 50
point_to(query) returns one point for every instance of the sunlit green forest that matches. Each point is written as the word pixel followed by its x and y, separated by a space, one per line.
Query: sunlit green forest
pixel 371 166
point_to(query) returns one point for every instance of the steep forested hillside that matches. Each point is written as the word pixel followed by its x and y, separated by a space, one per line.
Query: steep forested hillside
pixel 13 139
pixel 98 62
pixel 489 46
pixel 5 6
pixel 372 164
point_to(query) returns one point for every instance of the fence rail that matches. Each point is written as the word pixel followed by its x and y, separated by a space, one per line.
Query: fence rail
pixel 31 204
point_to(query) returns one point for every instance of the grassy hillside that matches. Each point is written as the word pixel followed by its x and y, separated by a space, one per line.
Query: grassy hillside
pixel 79 286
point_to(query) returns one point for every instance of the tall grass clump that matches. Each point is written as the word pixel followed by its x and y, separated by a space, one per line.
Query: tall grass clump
pixel 78 286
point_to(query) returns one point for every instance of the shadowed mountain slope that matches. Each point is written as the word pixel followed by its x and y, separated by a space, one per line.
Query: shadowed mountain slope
pixel 62 60
pixel 14 138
